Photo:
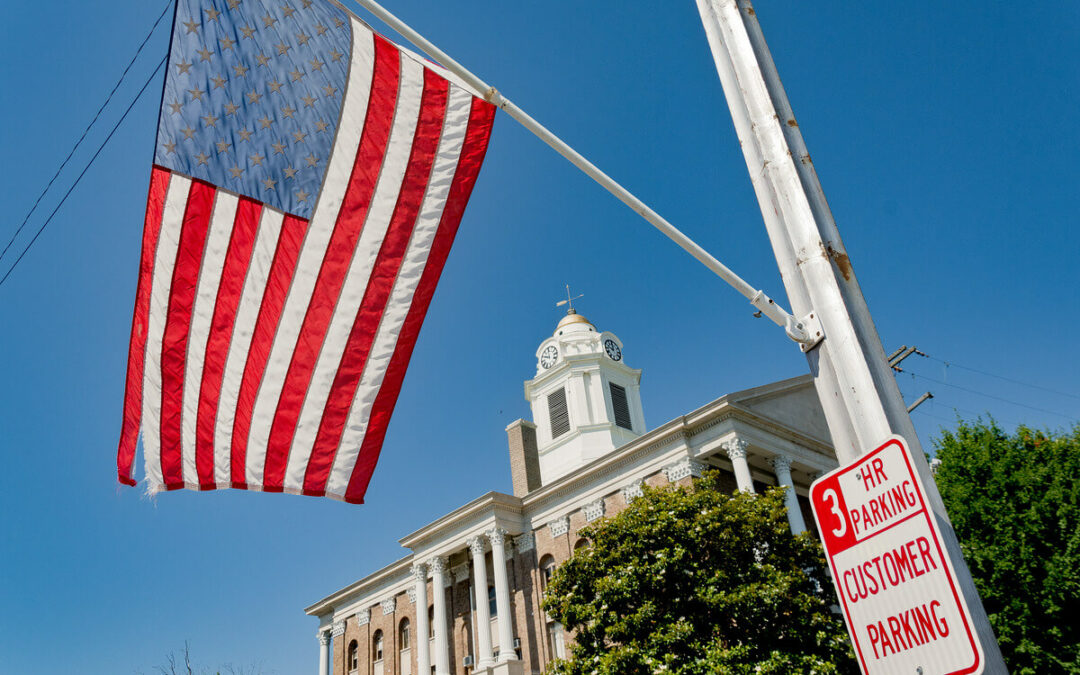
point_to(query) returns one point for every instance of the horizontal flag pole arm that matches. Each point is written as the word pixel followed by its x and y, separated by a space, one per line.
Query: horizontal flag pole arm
pixel 794 328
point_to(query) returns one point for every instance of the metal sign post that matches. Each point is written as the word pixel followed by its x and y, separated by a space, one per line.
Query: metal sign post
pixel 858 392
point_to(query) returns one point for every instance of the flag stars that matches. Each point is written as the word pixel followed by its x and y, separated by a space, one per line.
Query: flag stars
pixel 338 22
pixel 266 122
pixel 309 101
pixel 321 29
pixel 231 108
pixel 203 158
pixel 297 75
pixel 311 159
pixel 322 126
pixel 290 173
pixel 330 91
pixel 175 107
pixel 288 11
pixel 302 38
pixel 196 94
pixel 212 14
pixel 236 171
pixel 288 111
pixel 210 120
pixel 188 132
pixel 268 21
pixel 233 4
pixel 283 48
pixel 170 148
pixel 254 97
pixel 248 32
pixel 279 148
pixel 269 183
pixel 204 54
pixel 223 146
pixel 219 81
pixel 317 64
pixel 240 70
pixel 300 136
pixel 263 60
pixel 244 135
pixel 335 55
pixel 183 67
pixel 227 43
pixel 306 4
pixel 257 159
pixel 191 26
pixel 302 196
pixel 275 86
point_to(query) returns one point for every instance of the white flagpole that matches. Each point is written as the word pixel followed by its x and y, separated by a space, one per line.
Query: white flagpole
pixel 855 384
pixel 797 329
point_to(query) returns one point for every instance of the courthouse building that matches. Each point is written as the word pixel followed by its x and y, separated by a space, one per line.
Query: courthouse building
pixel 466 598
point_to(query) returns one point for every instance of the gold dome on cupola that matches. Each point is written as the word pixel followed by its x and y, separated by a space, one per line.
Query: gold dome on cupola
pixel 572 318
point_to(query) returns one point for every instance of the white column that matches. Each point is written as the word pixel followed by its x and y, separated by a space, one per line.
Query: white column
pixel 736 452
pixel 324 652
pixel 423 648
pixel 483 612
pixel 782 465
pixel 442 643
pixel 502 596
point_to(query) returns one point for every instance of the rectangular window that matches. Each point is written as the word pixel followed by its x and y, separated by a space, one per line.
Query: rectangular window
pixel 557 413
pixel 620 406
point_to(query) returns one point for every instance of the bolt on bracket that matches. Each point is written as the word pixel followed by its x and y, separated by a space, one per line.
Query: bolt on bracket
pixel 806 331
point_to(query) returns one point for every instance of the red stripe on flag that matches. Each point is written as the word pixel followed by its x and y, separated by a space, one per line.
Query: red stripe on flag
pixel 380 283
pixel 230 290
pixel 481 118
pixel 282 269
pixel 335 264
pixel 129 430
pixel 174 343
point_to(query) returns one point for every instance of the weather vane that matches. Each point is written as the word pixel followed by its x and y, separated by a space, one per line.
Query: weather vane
pixel 569 300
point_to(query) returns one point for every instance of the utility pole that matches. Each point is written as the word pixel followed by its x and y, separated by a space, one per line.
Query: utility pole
pixel 853 378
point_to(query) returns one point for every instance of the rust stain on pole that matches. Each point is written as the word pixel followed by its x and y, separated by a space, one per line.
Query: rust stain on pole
pixel 843 263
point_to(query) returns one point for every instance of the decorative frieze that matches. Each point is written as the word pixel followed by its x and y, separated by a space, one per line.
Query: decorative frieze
pixel 594 510
pixel 632 491
pixel 339 629
pixel 388 606
pixel 684 467
pixel 412 595
pixel 559 526
pixel 363 617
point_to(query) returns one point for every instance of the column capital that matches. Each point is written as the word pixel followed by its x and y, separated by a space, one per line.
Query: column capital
pixel 525 542
pixel 438 565
pixel 497 536
pixel 735 448
pixel 419 571
pixel 782 463
pixel 477 545
pixel 324 637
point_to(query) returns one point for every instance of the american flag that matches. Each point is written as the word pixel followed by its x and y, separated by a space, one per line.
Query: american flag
pixel 308 180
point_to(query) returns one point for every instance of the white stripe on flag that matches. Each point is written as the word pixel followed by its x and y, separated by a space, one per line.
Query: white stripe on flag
pixel 164 261
pixel 383 202
pixel 262 256
pixel 309 262
pixel 455 124
pixel 202 312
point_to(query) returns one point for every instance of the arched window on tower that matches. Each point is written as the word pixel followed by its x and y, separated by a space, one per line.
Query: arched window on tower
pixel 353 659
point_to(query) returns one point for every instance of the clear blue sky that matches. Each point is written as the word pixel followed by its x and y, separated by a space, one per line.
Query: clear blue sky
pixel 946 140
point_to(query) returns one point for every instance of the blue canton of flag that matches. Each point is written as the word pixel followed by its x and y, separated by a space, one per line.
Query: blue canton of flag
pixel 253 96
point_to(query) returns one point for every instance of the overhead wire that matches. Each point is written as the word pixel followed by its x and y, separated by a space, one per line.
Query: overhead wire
pixel 85 132
pixel 996 398
pixel 952 364
pixel 85 169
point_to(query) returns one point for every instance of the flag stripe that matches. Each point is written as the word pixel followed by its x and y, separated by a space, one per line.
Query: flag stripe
pixel 129 431
pixel 174 342
pixel 371 435
pixel 164 261
pixel 267 236
pixel 202 312
pixel 387 264
pixel 280 278
pixel 348 242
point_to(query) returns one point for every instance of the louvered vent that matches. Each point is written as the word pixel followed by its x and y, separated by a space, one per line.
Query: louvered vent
pixel 620 405
pixel 557 414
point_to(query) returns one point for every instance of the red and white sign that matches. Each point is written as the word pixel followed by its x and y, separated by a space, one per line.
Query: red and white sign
pixel 896 584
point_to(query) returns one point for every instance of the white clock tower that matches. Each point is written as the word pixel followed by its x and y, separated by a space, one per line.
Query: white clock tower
pixel 585 400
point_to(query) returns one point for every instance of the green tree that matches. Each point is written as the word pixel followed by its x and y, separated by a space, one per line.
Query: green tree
pixel 698 580
pixel 1015 503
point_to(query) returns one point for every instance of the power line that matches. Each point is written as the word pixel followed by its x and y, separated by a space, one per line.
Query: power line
pixel 996 398
pixel 97 115
pixel 951 364
pixel 85 169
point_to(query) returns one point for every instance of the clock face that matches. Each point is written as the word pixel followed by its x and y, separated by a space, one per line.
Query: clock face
pixel 612 350
pixel 548 357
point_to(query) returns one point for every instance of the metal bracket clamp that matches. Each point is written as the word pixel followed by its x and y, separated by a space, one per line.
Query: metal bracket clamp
pixel 806 331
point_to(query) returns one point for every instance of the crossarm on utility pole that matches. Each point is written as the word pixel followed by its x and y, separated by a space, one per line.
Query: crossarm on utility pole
pixel 766 305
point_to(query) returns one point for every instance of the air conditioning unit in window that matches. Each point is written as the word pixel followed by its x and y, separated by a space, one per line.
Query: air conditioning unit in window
pixel 467 662
pixel 517 643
